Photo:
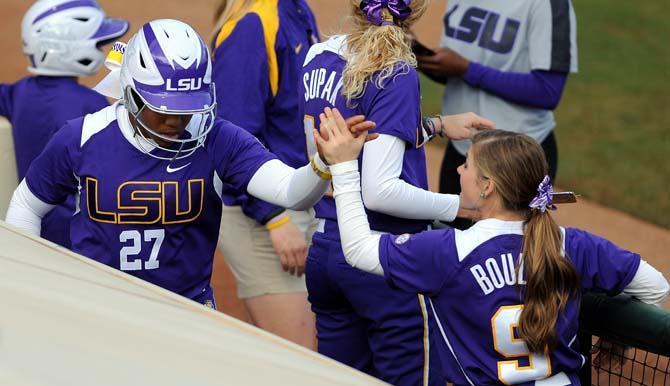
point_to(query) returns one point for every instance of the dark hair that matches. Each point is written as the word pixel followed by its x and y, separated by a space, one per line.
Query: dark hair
pixel 516 164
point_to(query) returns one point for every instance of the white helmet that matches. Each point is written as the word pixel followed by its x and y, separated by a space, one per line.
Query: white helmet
pixel 166 68
pixel 63 37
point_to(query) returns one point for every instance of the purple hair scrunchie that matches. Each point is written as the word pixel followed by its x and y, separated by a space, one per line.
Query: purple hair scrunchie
pixel 543 200
pixel 383 12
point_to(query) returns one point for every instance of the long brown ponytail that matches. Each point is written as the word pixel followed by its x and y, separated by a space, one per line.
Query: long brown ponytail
pixel 377 49
pixel 516 164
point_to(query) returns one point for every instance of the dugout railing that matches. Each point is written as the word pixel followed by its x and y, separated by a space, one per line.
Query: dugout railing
pixel 643 328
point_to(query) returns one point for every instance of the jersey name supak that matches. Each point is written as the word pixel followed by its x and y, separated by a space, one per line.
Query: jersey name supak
pixel 474 291
pixel 155 219
pixel 395 109
pixel 518 36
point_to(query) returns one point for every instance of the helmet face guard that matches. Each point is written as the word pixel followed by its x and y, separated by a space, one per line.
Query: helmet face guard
pixel 199 125
pixel 167 69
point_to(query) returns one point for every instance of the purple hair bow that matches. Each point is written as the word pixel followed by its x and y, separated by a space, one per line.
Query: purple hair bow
pixel 544 198
pixel 382 12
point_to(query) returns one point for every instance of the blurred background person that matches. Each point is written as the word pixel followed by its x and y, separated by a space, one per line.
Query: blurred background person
pixel 258 50
pixel 508 64
pixel 63 40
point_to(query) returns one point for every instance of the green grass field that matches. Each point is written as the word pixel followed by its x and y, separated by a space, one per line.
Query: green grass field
pixel 613 123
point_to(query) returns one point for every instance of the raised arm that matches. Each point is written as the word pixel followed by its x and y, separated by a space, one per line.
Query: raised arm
pixel 385 192
pixel 282 185
pixel 245 163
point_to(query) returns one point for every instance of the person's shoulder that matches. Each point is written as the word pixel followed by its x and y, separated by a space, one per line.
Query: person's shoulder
pixel 577 242
pixel 334 45
pixel 91 99
pixel 250 25
pixel 22 86
pixel 225 131
pixel 94 123
pixel 21 82
pixel 401 79
pixel 402 72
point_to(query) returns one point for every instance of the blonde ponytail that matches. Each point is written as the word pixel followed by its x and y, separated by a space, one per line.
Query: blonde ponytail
pixel 377 50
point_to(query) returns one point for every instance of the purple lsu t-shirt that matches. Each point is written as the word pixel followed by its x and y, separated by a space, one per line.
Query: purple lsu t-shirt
pixel 474 293
pixel 395 107
pixel 154 219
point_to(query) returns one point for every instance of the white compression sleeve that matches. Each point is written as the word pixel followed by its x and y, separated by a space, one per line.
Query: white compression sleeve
pixel 359 244
pixel 648 285
pixel 385 192
pixel 280 184
pixel 26 210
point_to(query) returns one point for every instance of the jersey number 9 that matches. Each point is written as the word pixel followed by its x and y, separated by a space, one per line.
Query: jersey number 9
pixel 510 372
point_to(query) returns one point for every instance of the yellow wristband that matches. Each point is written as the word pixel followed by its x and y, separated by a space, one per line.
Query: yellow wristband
pixel 277 223
pixel 319 172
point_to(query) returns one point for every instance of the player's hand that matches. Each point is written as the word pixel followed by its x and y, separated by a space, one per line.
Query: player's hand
pixel 445 63
pixel 464 126
pixel 610 356
pixel 291 247
pixel 338 144
pixel 357 125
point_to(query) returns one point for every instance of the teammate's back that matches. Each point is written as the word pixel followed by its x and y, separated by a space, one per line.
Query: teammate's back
pixel 61 40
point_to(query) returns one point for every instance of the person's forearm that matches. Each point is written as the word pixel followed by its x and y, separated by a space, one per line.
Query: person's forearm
pixel 359 244
pixel 280 184
pixel 385 192
pixel 539 89
pixel 648 285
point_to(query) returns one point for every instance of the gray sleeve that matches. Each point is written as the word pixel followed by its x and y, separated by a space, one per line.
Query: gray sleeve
pixel 552 36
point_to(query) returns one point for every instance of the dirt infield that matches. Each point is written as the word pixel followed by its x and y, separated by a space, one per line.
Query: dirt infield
pixel 649 240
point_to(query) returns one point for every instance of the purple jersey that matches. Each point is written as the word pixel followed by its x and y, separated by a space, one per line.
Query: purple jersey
pixel 395 108
pixel 155 219
pixel 256 65
pixel 471 281
pixel 37 107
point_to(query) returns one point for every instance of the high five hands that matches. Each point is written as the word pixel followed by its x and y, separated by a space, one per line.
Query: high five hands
pixel 339 140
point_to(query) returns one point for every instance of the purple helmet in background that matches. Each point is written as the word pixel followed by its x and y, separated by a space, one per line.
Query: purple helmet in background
pixel 167 69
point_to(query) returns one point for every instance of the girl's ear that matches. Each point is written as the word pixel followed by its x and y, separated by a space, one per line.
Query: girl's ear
pixel 489 188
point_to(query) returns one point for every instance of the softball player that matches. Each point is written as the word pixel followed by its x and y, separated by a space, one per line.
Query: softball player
pixel 361 321
pixel 258 52
pixel 62 39
pixel 508 63
pixel 148 171
pixel 502 319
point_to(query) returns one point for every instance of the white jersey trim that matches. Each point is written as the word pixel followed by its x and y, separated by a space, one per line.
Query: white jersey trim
pixel 483 231
pixel 96 122
pixel 335 45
